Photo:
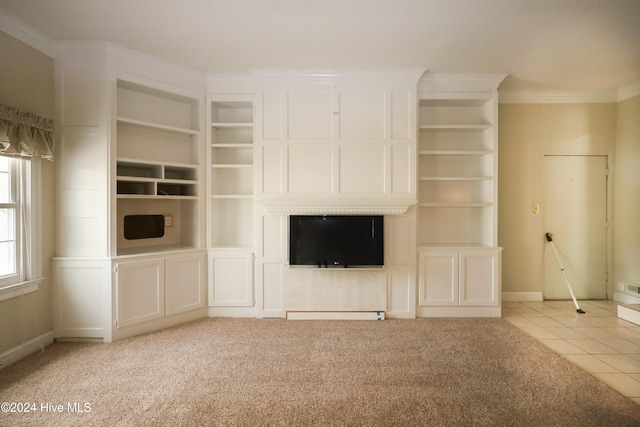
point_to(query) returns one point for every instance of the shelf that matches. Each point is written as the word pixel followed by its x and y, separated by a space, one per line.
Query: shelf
pixel 456 170
pixel 127 167
pixel 231 172
pixel 455 152
pixel 232 166
pixel 455 128
pixel 140 179
pixel 155 126
pixel 455 205
pixel 156 197
pixel 455 178
pixel 232 125
pixel 237 145
pixel 232 196
pixel 476 100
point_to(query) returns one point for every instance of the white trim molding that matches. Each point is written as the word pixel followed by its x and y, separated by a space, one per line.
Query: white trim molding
pixel 21 30
pixel 558 97
pixel 629 91
pixel 625 298
pixel 320 208
pixel 25 349
pixel 459 82
pixel 19 289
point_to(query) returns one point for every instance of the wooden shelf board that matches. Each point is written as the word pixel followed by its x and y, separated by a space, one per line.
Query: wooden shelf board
pixel 156 126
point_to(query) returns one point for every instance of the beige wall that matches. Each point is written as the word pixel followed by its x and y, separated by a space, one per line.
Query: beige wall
pixel 26 82
pixel 626 200
pixel 526 133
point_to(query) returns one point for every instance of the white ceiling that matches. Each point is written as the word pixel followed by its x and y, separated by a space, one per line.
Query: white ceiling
pixel 544 45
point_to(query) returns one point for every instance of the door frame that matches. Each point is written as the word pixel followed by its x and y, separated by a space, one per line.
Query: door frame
pixel 610 288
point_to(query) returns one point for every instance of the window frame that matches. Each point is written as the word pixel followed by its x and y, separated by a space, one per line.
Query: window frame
pixel 28 228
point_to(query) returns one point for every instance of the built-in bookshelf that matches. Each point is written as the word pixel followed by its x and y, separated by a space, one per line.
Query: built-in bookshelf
pixel 231 175
pixel 457 170
pixel 158 161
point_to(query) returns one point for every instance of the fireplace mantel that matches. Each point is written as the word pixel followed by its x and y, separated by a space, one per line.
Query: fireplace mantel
pixel 333 207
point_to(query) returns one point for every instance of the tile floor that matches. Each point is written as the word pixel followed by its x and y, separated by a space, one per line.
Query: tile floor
pixel 597 341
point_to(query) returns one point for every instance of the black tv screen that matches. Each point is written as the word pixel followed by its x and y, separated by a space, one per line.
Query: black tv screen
pixel 333 241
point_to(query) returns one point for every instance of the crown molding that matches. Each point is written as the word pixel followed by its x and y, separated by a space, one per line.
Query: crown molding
pixel 312 73
pixel 21 30
pixel 558 97
pixel 459 82
pixel 230 83
pixel 629 91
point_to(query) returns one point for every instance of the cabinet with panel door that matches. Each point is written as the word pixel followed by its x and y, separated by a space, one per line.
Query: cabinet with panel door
pixel 457 228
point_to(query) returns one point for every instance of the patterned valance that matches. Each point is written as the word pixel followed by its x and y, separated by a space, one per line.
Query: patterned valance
pixel 25 134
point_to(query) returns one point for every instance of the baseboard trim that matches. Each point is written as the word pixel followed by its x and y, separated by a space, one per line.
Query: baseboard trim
pixel 335 315
pixel 629 314
pixel 522 297
pixel 625 299
pixel 23 350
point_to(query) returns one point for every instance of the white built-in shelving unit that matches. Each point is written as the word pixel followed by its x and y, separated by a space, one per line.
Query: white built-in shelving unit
pixel 457 230
pixel 231 177
pixel 457 171
pixel 130 151
pixel 231 213
pixel 158 161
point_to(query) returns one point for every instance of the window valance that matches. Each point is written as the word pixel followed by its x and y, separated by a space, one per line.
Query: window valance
pixel 25 134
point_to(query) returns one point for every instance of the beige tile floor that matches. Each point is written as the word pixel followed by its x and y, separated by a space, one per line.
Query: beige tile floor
pixel 597 341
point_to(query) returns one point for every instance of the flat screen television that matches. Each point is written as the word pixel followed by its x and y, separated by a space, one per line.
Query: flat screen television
pixel 336 241
pixel 143 226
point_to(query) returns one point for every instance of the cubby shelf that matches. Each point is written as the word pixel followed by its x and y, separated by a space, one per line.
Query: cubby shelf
pixel 149 180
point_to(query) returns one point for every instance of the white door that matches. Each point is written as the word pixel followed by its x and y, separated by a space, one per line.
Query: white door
pixel 575 213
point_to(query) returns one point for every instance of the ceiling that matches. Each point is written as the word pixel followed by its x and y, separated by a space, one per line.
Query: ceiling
pixel 544 45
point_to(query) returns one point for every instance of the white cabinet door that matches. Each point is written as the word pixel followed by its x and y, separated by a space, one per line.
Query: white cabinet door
pixel 479 277
pixel 460 277
pixel 231 278
pixel 139 291
pixel 439 278
pixel 185 282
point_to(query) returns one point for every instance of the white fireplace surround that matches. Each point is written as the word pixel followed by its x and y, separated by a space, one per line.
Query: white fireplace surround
pixel 332 208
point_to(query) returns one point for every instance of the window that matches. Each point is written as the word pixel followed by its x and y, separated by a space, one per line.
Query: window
pixel 9 222
pixel 18 222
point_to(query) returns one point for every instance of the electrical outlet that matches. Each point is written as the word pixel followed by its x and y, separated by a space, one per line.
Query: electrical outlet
pixel 168 221
pixel 621 286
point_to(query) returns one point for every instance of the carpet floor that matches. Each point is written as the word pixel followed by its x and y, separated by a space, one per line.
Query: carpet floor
pixel 251 372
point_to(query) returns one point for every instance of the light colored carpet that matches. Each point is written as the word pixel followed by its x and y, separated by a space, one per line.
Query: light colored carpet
pixel 246 372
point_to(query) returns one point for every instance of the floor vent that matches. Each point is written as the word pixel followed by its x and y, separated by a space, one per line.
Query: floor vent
pixel 633 288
